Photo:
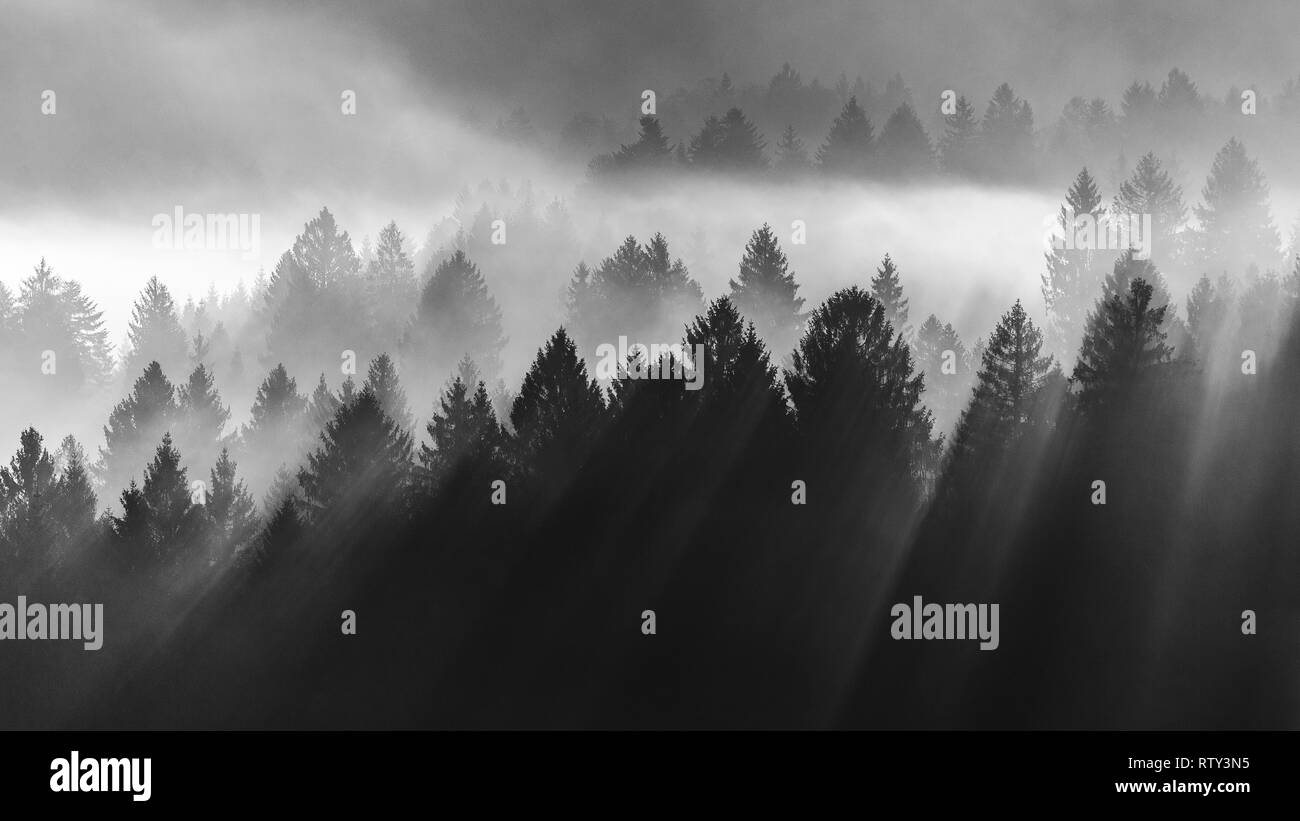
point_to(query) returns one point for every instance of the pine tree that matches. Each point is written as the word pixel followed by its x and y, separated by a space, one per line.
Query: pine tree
pixel 27 487
pixel 322 407
pixel 282 533
pixel 200 419
pixel 1013 370
pixel 887 289
pixel 231 514
pixel 456 316
pixel 904 149
pixel 1073 274
pixel 1138 105
pixel 390 283
pixel 277 412
pixel 558 412
pixel 640 292
pixel 764 291
pixel 361 450
pixel 857 397
pixel 155 333
pixel 959 149
pixel 848 148
pixel 1122 342
pixel 464 433
pixel 52 315
pixel 791 156
pixel 650 152
pixel 1237 228
pixel 731 143
pixel 1007 134
pixel 311 300
pixel 944 362
pixel 73 499
pixel 382 381
pixel 1151 191
pixel 740 384
pixel 1208 311
pixel 134 425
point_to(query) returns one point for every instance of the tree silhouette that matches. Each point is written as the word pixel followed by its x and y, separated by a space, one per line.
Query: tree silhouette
pixel 456 316
pixel 381 379
pixel 904 149
pixel 1073 273
pixel 557 413
pixel 764 290
pixel 848 150
pixel 959 148
pixel 155 332
pixel 1122 341
pixel 360 447
pixel 134 425
pixel 887 289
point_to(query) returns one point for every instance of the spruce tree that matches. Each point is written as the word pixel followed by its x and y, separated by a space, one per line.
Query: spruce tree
pixel 464 434
pixel 558 412
pixel 904 149
pixel 1122 343
pixel 155 333
pixel 764 291
pixel 1012 371
pixel 1073 273
pixel 363 459
pixel 887 289
pixel 1236 226
pixel 848 149
pixel 51 314
pixel 856 393
pixel 134 425
pixel 791 155
pixel 200 420
pixel 959 147
pixel 231 513
pixel 455 316
pixel 1150 190
pixel 382 381
pixel 1007 134
pixel 27 485
pixel 391 287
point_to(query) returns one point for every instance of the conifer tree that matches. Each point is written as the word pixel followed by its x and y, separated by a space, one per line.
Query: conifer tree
pixel 791 155
pixel 887 289
pixel 391 287
pixel 944 362
pixel 155 331
pixel 558 412
pixel 764 290
pixel 51 314
pixel 1012 372
pixel 134 425
pixel 904 149
pixel 382 380
pixel 959 148
pixel 231 513
pixel 456 316
pixel 856 394
pixel 1236 226
pixel 27 487
pixel 1007 134
pixel 464 433
pixel 1122 342
pixel 848 148
pixel 361 449
pixel 1150 190
pixel 201 418
pixel 1073 273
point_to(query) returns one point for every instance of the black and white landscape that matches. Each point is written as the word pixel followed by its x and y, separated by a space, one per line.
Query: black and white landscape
pixel 773 364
